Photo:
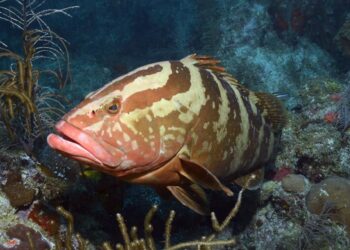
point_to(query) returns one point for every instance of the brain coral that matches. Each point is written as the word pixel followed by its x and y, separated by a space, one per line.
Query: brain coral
pixel 335 191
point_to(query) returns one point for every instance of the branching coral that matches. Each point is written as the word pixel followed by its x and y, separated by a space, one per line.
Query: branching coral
pixel 19 83
pixel 133 242
pixel 68 241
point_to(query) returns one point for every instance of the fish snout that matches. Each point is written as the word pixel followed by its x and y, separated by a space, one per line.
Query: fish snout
pixel 81 146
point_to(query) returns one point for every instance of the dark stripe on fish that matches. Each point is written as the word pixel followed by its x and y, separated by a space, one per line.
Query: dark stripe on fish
pixel 177 83
pixel 128 79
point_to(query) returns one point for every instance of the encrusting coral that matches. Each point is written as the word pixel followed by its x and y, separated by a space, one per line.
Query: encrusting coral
pixel 294 183
pixel 23 237
pixel 334 191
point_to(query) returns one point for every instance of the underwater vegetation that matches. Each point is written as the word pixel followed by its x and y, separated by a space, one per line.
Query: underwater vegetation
pixel 27 108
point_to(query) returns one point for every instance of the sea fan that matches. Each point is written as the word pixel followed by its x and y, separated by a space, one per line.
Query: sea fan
pixel 50 108
pixel 29 17
pixel 24 111
pixel 26 14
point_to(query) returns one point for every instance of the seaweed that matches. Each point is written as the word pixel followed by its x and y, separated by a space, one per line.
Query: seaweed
pixel 68 239
pixel 20 105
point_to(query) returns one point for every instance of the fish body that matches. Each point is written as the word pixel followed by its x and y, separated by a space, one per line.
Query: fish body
pixel 178 126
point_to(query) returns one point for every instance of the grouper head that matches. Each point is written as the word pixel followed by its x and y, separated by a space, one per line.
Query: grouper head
pixel 132 124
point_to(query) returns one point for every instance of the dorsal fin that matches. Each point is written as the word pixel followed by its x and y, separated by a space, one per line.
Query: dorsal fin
pixel 270 106
pixel 272 109
pixel 210 63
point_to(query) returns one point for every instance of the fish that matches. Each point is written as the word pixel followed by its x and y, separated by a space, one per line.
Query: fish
pixel 179 126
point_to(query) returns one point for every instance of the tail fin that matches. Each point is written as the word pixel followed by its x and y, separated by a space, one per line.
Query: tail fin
pixel 272 109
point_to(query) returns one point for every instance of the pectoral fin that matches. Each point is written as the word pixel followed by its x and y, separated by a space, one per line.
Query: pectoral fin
pixel 256 179
pixel 163 192
pixel 191 196
pixel 202 176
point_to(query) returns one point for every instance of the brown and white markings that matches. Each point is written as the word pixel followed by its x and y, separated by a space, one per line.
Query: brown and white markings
pixel 178 126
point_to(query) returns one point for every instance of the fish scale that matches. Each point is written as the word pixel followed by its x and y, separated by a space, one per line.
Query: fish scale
pixel 178 126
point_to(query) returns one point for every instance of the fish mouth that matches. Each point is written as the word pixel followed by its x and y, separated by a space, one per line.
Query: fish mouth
pixel 80 146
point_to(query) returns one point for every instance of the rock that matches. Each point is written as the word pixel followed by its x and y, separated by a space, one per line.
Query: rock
pixel 333 192
pixel 343 37
pixel 18 194
pixel 294 183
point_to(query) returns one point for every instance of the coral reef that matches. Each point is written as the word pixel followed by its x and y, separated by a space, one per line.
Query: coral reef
pixel 294 183
pixel 311 145
pixel 312 150
pixel 47 219
pixel 284 222
pixel 10 218
pixel 319 230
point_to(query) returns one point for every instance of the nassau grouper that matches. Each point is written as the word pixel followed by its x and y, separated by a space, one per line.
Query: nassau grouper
pixel 177 126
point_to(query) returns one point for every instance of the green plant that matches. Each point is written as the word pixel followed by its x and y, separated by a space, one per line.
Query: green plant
pixel 19 83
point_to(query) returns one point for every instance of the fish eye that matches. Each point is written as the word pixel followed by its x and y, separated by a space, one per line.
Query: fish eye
pixel 113 107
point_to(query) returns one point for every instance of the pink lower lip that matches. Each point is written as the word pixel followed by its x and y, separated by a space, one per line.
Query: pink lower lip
pixel 83 145
pixel 74 149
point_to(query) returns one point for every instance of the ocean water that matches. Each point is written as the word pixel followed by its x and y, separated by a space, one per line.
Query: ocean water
pixel 54 53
